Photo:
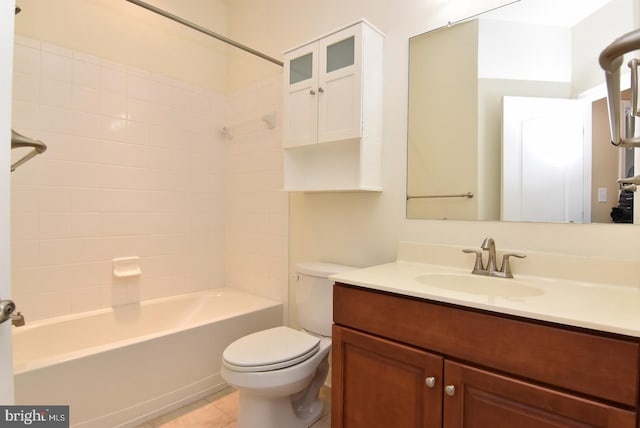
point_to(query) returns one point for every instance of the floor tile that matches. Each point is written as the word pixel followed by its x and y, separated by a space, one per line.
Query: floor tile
pixel 220 410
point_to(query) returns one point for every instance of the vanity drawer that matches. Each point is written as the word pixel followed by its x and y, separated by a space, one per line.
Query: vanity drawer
pixel 598 365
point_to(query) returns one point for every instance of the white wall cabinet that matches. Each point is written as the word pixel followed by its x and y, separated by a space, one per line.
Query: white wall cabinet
pixel 332 127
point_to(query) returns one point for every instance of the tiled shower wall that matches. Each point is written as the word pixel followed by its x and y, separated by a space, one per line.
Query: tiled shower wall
pixel 257 209
pixel 134 167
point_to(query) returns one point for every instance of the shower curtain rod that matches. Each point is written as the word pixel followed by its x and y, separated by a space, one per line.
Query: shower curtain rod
pixel 205 31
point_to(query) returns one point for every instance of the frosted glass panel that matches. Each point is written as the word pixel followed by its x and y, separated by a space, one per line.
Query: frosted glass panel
pixel 340 54
pixel 301 68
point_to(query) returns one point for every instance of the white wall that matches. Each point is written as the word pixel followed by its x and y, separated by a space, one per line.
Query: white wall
pixel 511 57
pixel 363 229
pixel 611 22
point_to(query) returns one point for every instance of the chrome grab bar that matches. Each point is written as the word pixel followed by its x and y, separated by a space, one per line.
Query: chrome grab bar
pixel 461 195
pixel 611 59
pixel 18 141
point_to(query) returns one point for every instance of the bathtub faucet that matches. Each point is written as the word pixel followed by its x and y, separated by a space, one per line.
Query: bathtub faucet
pixel 17 319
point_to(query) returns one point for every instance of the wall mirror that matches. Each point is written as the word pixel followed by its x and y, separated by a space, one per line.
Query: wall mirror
pixel 507 116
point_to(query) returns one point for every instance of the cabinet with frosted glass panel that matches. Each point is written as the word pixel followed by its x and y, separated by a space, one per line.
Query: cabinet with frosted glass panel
pixel 332 113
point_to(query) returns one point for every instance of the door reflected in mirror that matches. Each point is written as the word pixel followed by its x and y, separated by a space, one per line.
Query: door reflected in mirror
pixel 550 160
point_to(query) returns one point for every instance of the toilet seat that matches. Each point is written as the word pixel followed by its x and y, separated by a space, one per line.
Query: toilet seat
pixel 271 349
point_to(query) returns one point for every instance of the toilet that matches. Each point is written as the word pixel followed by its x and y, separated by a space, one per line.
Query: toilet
pixel 279 372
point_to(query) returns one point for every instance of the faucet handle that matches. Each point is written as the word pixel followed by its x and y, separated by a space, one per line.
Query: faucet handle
pixel 478 266
pixel 505 269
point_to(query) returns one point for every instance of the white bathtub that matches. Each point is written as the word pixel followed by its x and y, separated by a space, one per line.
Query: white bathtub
pixel 123 366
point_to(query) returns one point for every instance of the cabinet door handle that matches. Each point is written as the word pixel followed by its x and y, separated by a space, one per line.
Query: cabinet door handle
pixel 321 89
pixel 450 390
pixel 312 92
pixel 430 381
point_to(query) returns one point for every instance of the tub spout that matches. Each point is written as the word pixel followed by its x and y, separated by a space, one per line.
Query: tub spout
pixel 17 319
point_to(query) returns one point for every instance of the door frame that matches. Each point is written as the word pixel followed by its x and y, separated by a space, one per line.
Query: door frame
pixel 7 12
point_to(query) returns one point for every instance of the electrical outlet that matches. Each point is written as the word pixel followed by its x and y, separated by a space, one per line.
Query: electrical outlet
pixel 602 194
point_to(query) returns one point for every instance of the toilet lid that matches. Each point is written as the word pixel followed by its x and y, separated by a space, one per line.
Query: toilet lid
pixel 271 349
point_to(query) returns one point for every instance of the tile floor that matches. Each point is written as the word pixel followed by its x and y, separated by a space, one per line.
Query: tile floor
pixel 219 411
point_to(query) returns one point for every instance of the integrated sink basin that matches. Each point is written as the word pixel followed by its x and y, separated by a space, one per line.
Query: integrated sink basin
pixel 480 285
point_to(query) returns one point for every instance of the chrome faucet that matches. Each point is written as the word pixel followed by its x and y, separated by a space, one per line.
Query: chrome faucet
pixel 17 319
pixel 489 245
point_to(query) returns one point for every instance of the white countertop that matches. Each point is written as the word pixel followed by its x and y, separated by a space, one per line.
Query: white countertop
pixel 599 306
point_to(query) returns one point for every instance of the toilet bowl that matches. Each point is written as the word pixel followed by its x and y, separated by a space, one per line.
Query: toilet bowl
pixel 267 394
pixel 279 372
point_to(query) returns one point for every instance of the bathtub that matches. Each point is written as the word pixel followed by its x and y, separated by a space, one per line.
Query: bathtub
pixel 120 367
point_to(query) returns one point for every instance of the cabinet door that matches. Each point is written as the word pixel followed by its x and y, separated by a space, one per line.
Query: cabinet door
pixel 301 97
pixel 484 399
pixel 340 85
pixel 379 383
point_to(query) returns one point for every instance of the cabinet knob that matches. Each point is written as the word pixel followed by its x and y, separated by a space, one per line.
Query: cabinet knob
pixel 312 92
pixel 430 381
pixel 321 89
pixel 450 390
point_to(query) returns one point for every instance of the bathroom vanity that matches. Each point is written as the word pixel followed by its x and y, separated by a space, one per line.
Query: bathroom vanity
pixel 414 355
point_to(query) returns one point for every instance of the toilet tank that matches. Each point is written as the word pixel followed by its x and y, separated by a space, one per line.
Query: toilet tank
pixel 314 295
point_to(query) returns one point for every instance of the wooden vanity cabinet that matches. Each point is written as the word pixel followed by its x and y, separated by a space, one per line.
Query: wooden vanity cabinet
pixel 382 383
pixel 405 362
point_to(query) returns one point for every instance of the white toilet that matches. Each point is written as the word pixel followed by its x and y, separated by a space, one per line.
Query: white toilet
pixel 280 371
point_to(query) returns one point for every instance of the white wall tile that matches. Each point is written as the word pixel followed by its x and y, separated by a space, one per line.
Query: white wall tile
pixel 86 74
pixel 138 110
pixel 54 199
pixel 56 119
pixel 55 93
pixel 138 86
pixel 26 115
pixel 26 60
pixel 25 226
pixel 137 132
pixel 160 135
pixel 90 299
pixel 114 105
pixel 45 305
pixel 113 80
pixel 113 129
pixel 86 225
pixel 136 166
pixel 56 67
pixel 26 87
pixel 256 211
pixel 56 252
pixel 55 225
pixel 86 99
pixel 24 253
pixel 24 199
pixel 86 124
